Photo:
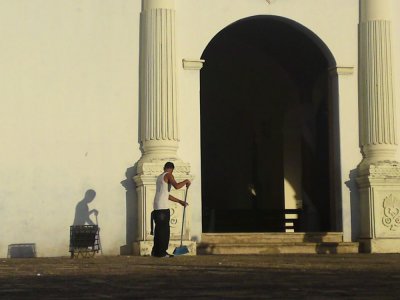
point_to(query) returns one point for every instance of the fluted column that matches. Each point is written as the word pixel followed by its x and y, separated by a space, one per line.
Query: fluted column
pixel 379 172
pixel 159 134
pixel 378 123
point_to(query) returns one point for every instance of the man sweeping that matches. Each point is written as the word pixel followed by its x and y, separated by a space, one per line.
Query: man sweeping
pixel 161 213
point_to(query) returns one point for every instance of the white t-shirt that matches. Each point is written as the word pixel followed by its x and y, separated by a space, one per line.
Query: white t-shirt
pixel 162 193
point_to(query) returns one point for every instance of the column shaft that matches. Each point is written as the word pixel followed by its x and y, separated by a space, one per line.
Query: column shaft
pixel 159 121
pixel 377 108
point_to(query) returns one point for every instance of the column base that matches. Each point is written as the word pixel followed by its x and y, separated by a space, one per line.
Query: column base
pixel 153 166
pixel 377 155
pixel 379 187
pixel 148 170
pixel 379 245
pixel 143 248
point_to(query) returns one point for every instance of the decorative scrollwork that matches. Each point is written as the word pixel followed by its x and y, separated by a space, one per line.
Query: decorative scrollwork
pixel 384 169
pixel 173 220
pixel 391 218
pixel 155 169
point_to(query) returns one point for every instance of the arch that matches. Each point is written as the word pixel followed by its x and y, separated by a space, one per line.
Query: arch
pixel 313 37
pixel 267 128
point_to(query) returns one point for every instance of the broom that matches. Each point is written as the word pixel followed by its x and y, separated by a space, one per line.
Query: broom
pixel 182 249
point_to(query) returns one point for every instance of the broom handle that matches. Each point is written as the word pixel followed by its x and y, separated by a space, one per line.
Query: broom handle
pixel 98 232
pixel 183 218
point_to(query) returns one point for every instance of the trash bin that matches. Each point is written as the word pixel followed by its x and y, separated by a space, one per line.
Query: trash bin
pixel 84 240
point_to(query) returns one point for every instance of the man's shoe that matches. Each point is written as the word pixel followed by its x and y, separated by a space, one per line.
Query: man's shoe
pixel 168 255
pixel 163 255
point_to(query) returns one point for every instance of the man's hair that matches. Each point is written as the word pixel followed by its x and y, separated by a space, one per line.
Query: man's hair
pixel 169 165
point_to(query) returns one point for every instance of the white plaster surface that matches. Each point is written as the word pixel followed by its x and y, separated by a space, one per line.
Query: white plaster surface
pixel 69 105
pixel 68 118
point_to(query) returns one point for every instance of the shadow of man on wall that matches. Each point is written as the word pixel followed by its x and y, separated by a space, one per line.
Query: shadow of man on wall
pixel 354 204
pixel 131 210
pixel 82 212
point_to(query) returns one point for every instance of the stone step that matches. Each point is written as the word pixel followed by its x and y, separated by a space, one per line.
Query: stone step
pixel 275 242
pixel 272 237
pixel 278 248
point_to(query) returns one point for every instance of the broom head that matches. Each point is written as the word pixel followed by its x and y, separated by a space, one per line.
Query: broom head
pixel 181 250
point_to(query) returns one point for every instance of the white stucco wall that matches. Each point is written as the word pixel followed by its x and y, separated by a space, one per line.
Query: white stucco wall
pixel 69 98
pixel 69 105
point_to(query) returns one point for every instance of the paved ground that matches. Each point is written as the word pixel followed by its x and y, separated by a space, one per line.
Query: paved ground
pixel 358 276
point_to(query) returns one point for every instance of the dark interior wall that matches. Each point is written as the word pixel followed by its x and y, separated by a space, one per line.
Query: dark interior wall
pixel 243 125
pixel 254 70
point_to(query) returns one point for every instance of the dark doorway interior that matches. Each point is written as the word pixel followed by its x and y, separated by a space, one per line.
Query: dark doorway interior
pixel 264 128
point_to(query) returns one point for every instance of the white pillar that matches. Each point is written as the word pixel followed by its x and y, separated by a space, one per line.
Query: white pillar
pixel 378 124
pixel 378 173
pixel 159 134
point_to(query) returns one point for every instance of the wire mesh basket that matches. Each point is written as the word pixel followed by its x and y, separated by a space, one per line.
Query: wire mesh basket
pixel 84 240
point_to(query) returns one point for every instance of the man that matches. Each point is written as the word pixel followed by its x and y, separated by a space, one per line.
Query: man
pixel 161 213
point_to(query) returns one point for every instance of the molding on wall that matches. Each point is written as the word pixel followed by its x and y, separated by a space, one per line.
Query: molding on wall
pixel 192 64
pixel 342 70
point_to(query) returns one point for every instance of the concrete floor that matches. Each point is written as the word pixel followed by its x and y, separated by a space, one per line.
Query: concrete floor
pixel 356 276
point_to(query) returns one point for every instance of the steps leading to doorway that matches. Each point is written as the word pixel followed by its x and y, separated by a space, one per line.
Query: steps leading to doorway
pixel 273 243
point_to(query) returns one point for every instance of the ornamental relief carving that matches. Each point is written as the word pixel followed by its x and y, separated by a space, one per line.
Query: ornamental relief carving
pixel 384 170
pixel 174 219
pixel 180 170
pixel 391 213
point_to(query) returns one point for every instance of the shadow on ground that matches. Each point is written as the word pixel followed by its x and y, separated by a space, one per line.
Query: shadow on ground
pixel 203 277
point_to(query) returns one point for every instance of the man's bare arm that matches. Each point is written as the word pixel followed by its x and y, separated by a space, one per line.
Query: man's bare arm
pixel 169 178
pixel 172 198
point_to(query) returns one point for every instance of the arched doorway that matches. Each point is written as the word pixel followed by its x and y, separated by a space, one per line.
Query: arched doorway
pixel 266 128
